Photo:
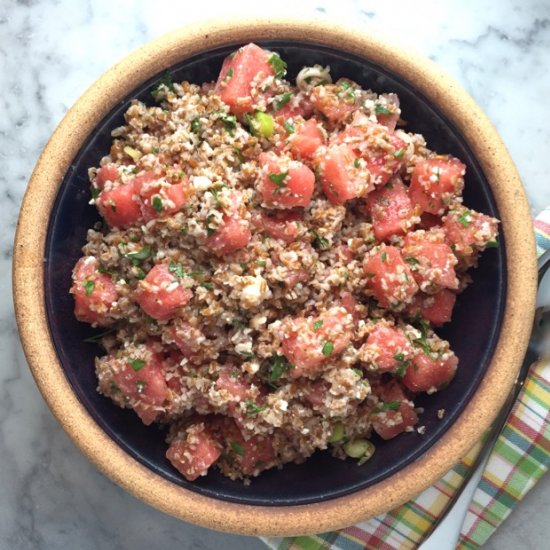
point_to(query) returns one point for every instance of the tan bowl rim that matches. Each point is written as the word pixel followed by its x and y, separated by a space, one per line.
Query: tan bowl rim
pixel 28 279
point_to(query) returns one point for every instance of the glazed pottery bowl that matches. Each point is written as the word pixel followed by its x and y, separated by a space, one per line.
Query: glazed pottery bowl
pixel 489 331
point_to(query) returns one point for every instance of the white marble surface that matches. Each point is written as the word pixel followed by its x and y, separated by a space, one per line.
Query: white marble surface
pixel 51 497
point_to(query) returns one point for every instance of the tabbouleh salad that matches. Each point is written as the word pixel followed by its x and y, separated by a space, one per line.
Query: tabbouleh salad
pixel 271 264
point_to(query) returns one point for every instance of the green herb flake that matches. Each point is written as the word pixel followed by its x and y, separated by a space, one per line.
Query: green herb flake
pixel 465 218
pixel 139 256
pixel 369 275
pixel 384 256
pixel 165 80
pixel 89 287
pixel 492 244
pixel 253 409
pixel 278 178
pixel 237 448
pixel 229 122
pixel 278 367
pixel 389 406
pixel 423 340
pixel 196 125
pixel 399 153
pixel 279 66
pixel 95 192
pixel 289 127
pixel 136 364
pixel 319 241
pixel 207 285
pixel 282 100
pixel 401 370
pixel 402 364
pixel 381 110
pixel 411 261
pixel 157 204
pixel 328 348
pixel 357 163
pixel 177 269
pixel 261 263
pixel 317 325
pixel 229 74
pixel 251 123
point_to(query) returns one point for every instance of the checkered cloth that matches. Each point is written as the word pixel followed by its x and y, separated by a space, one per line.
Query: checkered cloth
pixel 520 457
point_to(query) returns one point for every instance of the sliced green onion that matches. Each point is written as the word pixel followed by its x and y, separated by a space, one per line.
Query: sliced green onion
pixel 359 448
pixel 264 123
pixel 338 433
pixel 134 154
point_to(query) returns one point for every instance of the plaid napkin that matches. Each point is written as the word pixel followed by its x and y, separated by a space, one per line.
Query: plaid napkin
pixel 519 459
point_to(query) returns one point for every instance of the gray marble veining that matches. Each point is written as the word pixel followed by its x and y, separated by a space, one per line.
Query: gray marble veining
pixel 50 51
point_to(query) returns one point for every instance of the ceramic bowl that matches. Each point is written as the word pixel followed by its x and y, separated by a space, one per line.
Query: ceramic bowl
pixel 489 331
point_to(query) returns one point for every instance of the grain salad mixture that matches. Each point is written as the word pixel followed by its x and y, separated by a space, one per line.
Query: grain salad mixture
pixel 270 266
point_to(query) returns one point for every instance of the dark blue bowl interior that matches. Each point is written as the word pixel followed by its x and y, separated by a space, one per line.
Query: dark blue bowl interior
pixel 473 332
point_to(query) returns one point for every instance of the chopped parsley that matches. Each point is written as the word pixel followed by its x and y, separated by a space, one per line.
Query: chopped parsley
pixel 317 325
pixel 278 367
pixel 251 123
pixel 381 110
pixel 89 287
pixel 384 256
pixel 389 406
pixel 261 263
pixel 239 154
pixel 357 163
pixel 289 127
pixel 209 230
pixel 492 244
pixel 139 256
pixel 252 409
pixel 399 153
pixel 165 80
pixel 423 340
pixel 215 194
pixel 195 125
pixel 177 269
pixel 95 192
pixel 282 100
pixel 328 348
pixel 465 218
pixel 402 364
pixel 237 448
pixel 278 180
pixel 279 66
pixel 229 122
pixel 157 204
pixel 136 364
pixel 207 285
pixel 228 74
pixel 319 241
pixel 411 261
